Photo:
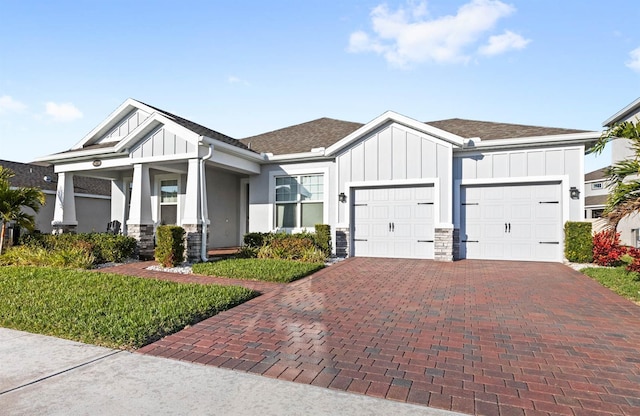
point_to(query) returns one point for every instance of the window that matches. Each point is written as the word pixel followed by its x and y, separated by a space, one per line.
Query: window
pixel 596 185
pixel 169 202
pixel 299 201
pixel 597 213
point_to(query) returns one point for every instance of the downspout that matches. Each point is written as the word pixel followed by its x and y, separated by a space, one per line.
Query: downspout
pixel 203 215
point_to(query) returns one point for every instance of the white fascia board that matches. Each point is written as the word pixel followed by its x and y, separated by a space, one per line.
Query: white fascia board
pixel 87 165
pixel 558 139
pixel 634 106
pixel 111 120
pixel 298 157
pixel 80 154
pixel 228 148
pixel 151 124
pixel 391 116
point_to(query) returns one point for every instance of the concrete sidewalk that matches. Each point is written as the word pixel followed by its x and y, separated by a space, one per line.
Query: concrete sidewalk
pixel 47 375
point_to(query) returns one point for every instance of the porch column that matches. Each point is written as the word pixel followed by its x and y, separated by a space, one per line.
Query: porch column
pixel 140 222
pixel 64 214
pixel 192 214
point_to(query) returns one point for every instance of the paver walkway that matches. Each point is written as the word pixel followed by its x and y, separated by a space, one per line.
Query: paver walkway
pixel 483 337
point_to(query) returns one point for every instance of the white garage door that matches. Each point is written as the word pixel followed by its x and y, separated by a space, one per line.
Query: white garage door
pixel 393 222
pixel 511 222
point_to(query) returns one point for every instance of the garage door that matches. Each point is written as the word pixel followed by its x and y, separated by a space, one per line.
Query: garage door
pixel 511 222
pixel 393 222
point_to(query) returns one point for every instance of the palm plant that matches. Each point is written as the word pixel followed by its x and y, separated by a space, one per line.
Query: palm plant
pixel 13 201
pixel 623 176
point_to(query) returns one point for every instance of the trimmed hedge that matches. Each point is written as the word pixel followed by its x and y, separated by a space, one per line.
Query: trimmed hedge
pixel 170 245
pixel 323 238
pixel 578 242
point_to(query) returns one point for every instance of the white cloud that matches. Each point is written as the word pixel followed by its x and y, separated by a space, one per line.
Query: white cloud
pixel 408 35
pixel 634 62
pixel 232 79
pixel 62 112
pixel 503 43
pixel 8 104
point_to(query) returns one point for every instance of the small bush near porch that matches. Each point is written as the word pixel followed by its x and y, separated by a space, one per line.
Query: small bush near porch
pixel 268 270
pixel 106 309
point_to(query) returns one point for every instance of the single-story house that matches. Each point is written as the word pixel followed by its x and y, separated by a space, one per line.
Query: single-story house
pixel 392 187
pixel 92 197
pixel 628 227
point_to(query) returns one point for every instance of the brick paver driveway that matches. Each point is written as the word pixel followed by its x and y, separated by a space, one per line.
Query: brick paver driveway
pixel 484 337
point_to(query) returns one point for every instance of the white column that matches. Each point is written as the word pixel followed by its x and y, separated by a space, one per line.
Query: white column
pixel 64 213
pixel 191 213
pixel 140 211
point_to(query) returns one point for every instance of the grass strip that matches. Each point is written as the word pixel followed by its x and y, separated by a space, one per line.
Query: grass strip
pixel 268 270
pixel 619 280
pixel 106 309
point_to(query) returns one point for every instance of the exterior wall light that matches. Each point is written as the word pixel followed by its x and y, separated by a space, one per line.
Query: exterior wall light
pixel 342 197
pixel 574 192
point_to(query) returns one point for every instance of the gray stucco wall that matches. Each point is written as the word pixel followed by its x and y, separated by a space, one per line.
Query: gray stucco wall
pixel 92 214
pixel 261 215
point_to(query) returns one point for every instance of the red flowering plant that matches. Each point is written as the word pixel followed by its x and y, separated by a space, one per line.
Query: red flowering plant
pixel 607 250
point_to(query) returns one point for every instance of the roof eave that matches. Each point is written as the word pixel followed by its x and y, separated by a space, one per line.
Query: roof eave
pixel 247 154
pixel 553 140
pixel 79 154
pixel 634 106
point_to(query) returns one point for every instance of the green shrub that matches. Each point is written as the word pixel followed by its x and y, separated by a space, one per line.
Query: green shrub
pixel 69 257
pixel 255 240
pixel 323 238
pixel 169 245
pixel 286 248
pixel 578 242
pixel 103 247
pixel 247 252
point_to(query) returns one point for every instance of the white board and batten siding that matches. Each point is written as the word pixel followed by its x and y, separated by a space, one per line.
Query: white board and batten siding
pixel 391 177
pixel 162 142
pixel 125 126
pixel 512 205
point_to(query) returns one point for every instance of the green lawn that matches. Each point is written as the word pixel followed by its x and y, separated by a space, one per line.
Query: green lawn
pixel 269 270
pixel 624 283
pixel 106 309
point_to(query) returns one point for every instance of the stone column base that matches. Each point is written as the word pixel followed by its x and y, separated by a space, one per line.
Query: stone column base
pixel 144 234
pixel 64 228
pixel 342 242
pixel 193 239
pixel 443 244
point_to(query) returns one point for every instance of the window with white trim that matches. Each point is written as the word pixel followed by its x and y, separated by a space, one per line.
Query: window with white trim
pixel 299 201
pixel 169 202
pixel 596 185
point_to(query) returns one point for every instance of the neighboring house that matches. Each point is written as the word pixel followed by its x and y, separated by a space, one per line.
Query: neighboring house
pixel 92 196
pixel 393 187
pixel 595 194
pixel 620 150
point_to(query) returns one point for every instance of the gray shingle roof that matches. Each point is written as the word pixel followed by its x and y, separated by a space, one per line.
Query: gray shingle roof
pixel 596 174
pixel 199 129
pixel 488 130
pixel 300 138
pixel 31 175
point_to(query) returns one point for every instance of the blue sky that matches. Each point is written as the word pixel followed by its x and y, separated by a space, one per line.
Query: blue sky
pixel 248 67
